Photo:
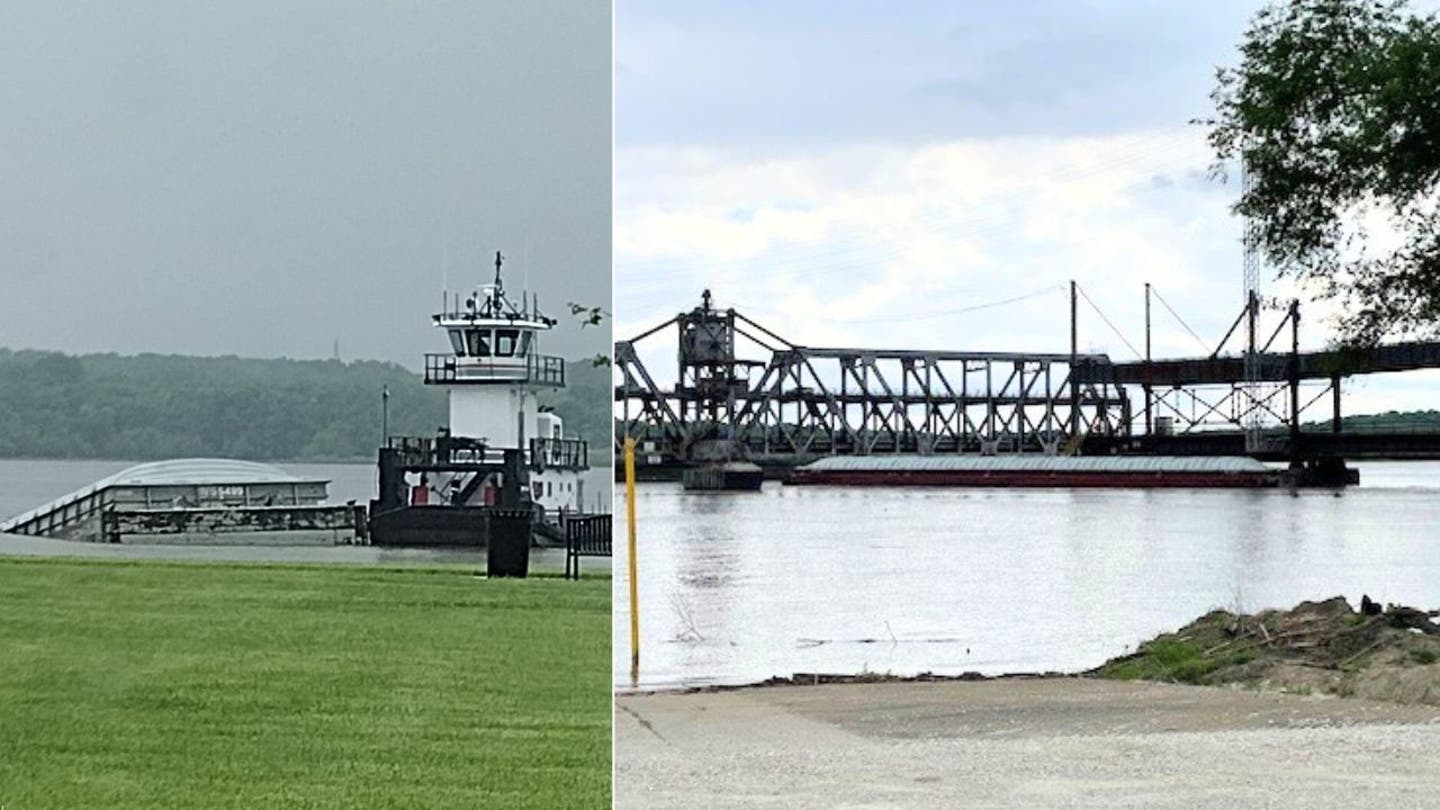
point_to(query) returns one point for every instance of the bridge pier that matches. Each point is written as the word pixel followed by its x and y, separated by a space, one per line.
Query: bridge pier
pixel 1325 471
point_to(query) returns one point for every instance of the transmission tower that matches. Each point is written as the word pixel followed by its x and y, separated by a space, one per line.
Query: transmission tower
pixel 1252 304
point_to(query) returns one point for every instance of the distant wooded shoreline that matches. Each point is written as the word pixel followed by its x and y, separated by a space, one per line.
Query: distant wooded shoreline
pixel 146 407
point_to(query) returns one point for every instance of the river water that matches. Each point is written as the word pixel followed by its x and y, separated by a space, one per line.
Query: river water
pixel 27 483
pixel 738 587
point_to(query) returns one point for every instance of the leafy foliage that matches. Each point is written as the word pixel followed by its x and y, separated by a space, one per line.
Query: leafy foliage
pixel 1168 658
pixel 1335 112
pixel 1396 421
pixel 153 406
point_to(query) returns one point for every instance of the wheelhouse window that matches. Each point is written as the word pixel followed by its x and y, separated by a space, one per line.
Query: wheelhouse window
pixel 505 342
pixel 478 341
pixel 526 338
pixel 457 341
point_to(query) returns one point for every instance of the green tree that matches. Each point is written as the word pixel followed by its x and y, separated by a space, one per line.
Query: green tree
pixel 152 406
pixel 1334 111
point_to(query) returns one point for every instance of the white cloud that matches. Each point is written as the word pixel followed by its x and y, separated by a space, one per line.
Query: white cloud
pixel 895 246
pixel 873 232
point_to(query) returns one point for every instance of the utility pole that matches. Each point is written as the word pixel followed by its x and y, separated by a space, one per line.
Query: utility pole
pixel 1295 456
pixel 384 415
pixel 1149 426
pixel 1074 359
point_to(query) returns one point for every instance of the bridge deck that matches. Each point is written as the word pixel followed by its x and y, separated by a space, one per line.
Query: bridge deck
pixel 1272 366
pixel 1314 443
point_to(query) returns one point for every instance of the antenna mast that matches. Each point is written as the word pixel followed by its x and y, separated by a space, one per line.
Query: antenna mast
pixel 499 289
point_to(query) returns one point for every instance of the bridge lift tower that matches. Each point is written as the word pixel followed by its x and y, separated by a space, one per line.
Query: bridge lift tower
pixel 712 384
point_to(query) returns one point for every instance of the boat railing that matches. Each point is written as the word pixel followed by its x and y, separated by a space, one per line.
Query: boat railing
pixel 446 450
pixel 538 369
pixel 559 454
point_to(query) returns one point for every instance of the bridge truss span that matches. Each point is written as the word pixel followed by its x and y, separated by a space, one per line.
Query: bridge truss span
pixel 739 389
pixel 802 402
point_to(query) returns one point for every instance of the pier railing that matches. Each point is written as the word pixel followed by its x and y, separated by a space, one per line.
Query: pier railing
pixel 537 369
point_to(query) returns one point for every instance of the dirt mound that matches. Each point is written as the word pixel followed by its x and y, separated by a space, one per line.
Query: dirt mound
pixel 1390 653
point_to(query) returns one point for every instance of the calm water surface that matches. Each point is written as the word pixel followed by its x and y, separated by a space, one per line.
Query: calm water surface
pixel 25 484
pixel 738 587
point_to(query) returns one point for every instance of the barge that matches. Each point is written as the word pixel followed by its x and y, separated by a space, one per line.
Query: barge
pixel 1041 471
pixel 198 501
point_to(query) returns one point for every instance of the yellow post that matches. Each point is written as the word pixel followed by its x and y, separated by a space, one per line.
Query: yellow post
pixel 634 585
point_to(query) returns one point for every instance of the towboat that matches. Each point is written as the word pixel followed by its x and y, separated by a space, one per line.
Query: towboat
pixel 504 464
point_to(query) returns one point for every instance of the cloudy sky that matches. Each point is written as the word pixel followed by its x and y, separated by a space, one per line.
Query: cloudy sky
pixel 265 178
pixel 859 174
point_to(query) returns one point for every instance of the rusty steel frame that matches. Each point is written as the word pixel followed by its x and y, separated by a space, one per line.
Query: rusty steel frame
pixel 809 401
pixel 806 402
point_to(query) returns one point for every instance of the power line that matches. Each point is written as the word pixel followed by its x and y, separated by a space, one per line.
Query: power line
pixel 1203 345
pixel 962 310
pixel 1117 332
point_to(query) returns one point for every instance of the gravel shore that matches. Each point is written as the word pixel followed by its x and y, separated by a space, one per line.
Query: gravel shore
pixel 1022 742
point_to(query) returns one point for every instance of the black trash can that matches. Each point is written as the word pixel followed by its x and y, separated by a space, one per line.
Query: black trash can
pixel 507 552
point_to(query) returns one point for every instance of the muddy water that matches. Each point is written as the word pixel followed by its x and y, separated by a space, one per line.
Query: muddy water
pixel 739 587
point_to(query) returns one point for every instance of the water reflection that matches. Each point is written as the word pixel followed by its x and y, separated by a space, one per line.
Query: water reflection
pixel 740 588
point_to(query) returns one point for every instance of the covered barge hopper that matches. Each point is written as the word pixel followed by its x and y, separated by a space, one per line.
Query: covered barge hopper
pixel 201 501
pixel 1040 471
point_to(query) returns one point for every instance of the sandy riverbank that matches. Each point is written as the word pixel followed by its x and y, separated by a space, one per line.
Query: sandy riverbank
pixel 1021 742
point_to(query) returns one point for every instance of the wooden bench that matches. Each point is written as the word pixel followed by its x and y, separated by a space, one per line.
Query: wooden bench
pixel 585 536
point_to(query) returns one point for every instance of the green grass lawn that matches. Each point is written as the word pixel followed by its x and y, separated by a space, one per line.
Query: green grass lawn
pixel 166 685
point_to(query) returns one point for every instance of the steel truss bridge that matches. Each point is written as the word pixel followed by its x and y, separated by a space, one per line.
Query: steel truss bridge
pixel 801 402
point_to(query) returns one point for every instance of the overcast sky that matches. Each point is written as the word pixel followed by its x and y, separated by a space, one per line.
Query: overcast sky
pixel 878 175
pixel 264 178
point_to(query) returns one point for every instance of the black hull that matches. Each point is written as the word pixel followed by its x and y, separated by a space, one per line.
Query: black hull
pixel 448 526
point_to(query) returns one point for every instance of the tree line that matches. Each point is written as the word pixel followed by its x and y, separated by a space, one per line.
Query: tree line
pixel 144 407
